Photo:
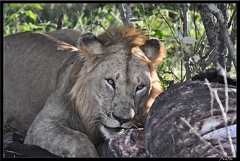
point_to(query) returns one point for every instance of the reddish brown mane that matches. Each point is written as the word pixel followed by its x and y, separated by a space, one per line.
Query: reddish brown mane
pixel 126 35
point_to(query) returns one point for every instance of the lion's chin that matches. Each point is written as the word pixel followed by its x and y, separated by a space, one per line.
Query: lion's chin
pixel 109 132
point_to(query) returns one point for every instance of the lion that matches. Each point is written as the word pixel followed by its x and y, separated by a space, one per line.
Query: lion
pixel 67 91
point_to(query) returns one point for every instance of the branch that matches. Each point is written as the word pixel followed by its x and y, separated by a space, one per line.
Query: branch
pixel 185 33
pixel 233 37
pixel 218 14
pixel 156 7
pixel 185 19
pixel 232 17
pixel 204 62
pixel 125 17
pixel 208 24
pixel 60 21
pixel 210 28
pixel 128 13
pixel 121 11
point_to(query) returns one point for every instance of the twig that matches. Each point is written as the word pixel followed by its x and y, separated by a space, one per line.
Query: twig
pixel 185 33
pixel 233 37
pixel 203 63
pixel 232 17
pixel 223 73
pixel 6 126
pixel 225 121
pixel 11 152
pixel 224 113
pixel 212 99
pixel 199 136
pixel 200 42
pixel 167 23
pixel 196 28
pixel 211 94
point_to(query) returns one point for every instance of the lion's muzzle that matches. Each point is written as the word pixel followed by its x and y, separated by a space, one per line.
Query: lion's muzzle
pixel 121 120
pixel 123 114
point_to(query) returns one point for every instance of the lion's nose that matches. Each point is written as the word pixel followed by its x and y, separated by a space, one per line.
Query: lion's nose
pixel 121 120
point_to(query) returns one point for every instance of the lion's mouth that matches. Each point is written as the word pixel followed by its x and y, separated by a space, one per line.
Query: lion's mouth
pixel 114 129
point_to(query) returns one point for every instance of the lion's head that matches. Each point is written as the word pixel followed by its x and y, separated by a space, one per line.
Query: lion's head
pixel 117 82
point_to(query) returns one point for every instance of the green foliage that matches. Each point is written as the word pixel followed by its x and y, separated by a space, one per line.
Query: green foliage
pixel 23 17
pixel 158 33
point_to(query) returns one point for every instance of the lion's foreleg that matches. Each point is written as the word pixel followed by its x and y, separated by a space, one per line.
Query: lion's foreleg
pixel 60 140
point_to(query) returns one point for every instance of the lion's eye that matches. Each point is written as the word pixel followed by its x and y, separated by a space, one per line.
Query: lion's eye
pixel 140 87
pixel 111 82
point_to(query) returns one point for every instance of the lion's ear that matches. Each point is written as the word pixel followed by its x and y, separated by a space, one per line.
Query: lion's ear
pixel 154 50
pixel 89 46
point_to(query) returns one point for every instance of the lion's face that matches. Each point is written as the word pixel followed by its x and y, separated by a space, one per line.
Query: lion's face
pixel 123 87
pixel 119 77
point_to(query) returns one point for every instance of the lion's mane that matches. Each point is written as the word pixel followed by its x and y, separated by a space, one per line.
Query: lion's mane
pixel 82 79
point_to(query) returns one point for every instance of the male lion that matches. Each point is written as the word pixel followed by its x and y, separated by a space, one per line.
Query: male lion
pixel 69 90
